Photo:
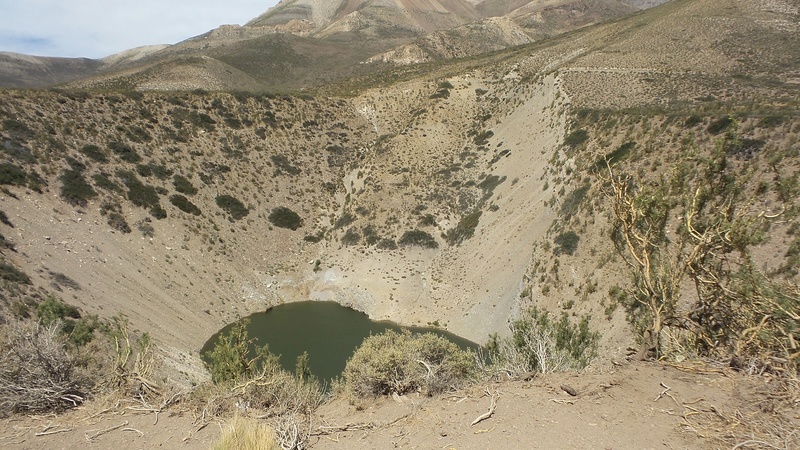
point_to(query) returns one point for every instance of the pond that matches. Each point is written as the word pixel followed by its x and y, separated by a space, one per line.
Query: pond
pixel 328 331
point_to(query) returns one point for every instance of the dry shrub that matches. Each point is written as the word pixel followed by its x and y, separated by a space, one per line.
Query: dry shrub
pixel 394 362
pixel 37 373
pixel 247 434
pixel 541 343
pixel 285 400
pixel 763 418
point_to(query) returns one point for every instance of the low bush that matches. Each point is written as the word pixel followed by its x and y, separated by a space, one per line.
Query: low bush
pixel 140 194
pixel 283 165
pixel 351 237
pixel 12 175
pixel 75 190
pixel 418 238
pixel 232 206
pixel 283 217
pixel 184 204
pixel 125 152
pixel 566 242
pixel 464 230
pixel 38 373
pixel 94 152
pixel 540 343
pixel 720 125
pixel 400 363
pixel 576 138
pixel 12 274
pixel 183 185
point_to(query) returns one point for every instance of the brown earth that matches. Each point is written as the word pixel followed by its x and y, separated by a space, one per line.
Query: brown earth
pixel 643 405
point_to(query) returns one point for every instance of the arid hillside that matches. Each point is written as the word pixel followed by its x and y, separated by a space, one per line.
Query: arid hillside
pixel 305 44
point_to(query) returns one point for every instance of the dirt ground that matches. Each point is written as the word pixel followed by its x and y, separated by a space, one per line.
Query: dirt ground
pixel 638 405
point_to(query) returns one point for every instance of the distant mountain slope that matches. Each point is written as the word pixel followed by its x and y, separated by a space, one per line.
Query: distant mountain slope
pixel 19 71
pixel 303 43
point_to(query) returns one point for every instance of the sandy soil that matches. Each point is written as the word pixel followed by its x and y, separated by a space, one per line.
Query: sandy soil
pixel 642 405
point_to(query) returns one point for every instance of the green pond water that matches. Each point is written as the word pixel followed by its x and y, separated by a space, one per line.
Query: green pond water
pixel 328 331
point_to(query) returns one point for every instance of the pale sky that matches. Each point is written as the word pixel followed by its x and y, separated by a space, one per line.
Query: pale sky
pixel 98 28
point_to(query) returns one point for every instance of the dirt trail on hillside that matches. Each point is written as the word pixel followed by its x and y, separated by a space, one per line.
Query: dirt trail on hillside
pixel 643 405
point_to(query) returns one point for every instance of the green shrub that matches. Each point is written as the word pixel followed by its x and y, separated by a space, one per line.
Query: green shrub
pixel 102 180
pixel 4 219
pixel 720 125
pixel 692 120
pixel 140 194
pixel 232 206
pixel 12 274
pixel 283 217
pixel 418 238
pixel 539 343
pixel 576 138
pixel 351 237
pixel 152 169
pixel 771 121
pixel 346 219
pixel 12 175
pixel 482 138
pixel 464 230
pixel 573 201
pixel 184 204
pixel 393 362
pixel 613 157
pixel 75 190
pixel 117 221
pixel 566 242
pixel 283 165
pixel 387 244
pixel 232 357
pixel 125 152
pixel 183 185
pixel 94 152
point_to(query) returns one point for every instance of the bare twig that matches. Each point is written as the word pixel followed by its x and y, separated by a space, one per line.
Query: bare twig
pixel 47 433
pixel 107 430
pixel 487 414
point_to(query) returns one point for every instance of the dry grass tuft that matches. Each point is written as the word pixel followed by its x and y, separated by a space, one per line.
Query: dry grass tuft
pixel 243 433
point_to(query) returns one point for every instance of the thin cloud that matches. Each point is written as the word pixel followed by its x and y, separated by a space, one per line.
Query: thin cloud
pixel 98 28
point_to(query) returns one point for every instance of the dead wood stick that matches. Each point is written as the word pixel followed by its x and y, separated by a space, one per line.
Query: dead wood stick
pixel 487 414
pixel 107 430
pixel 664 392
pixel 569 390
pixel 47 433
